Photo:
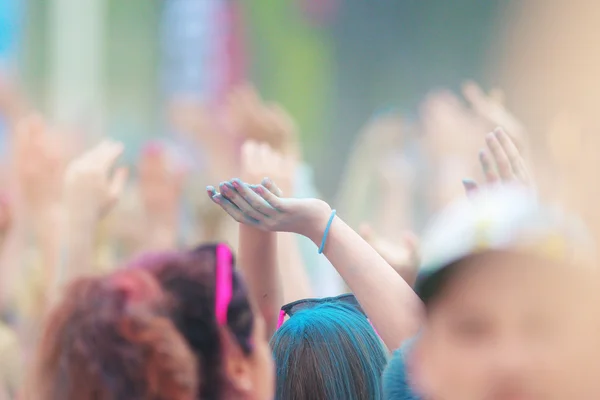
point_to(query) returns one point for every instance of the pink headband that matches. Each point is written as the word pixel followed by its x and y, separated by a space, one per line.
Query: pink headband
pixel 223 284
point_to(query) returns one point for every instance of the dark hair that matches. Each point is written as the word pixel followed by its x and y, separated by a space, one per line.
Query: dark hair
pixel 329 352
pixel 189 277
pixel 111 338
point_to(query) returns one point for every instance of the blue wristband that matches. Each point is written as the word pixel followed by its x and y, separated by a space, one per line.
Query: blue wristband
pixel 324 240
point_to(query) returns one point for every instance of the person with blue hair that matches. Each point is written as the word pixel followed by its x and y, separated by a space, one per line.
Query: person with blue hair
pixel 329 351
pixel 327 348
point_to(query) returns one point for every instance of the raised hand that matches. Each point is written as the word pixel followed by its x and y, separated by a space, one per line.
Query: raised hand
pixel 260 207
pixel 161 188
pixel 402 255
pixel 39 165
pixel 491 108
pixel 89 185
pixel 256 120
pixel 260 160
pixel 501 162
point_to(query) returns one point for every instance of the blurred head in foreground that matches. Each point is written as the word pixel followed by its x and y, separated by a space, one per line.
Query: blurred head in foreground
pixel 328 352
pixel 215 316
pixel 112 338
pixel 510 303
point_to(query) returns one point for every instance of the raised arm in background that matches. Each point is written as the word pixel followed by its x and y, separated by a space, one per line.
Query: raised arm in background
pixel 90 191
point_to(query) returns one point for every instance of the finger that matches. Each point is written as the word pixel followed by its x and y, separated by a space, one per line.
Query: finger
pixel 110 155
pixel 411 240
pixel 95 155
pixel 502 162
pixel 230 193
pixel 473 93
pixel 491 176
pixel 117 183
pixel 269 197
pixel 470 186
pixel 232 210
pixel 270 185
pixel 512 152
pixel 211 191
pixel 255 201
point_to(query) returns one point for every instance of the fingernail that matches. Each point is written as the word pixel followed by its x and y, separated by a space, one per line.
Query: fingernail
pixel 469 184
pixel 210 189
pixel 489 136
pixel 498 130
pixel 481 153
pixel 236 182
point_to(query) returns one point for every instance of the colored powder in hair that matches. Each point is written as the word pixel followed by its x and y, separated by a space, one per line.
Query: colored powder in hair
pixel 328 352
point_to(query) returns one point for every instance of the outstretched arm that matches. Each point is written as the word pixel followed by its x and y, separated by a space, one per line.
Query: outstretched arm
pixel 374 282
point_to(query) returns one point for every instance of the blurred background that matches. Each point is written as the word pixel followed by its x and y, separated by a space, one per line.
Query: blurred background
pixel 112 65
pixel 380 107
pixel 390 100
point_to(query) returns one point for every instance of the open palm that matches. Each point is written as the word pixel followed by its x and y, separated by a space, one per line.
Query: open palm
pixel 260 206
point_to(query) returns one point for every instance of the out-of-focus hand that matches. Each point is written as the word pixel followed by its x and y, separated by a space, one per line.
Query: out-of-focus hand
pixel 260 207
pixel 39 164
pixel 402 255
pixel 90 188
pixel 6 218
pixel 259 160
pixel 501 162
pixel 491 108
pixel 450 128
pixel 254 119
pixel 161 181
pixel 384 133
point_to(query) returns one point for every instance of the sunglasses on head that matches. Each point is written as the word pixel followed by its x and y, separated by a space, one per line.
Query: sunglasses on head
pixel 291 308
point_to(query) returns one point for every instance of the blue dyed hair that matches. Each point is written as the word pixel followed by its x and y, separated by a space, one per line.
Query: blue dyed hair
pixel 329 352
pixel 395 377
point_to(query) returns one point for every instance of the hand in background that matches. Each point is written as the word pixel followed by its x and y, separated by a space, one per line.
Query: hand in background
pixel 6 218
pixel 161 188
pixel 253 119
pixel 40 160
pixel 90 188
pixel 260 160
pixel 501 162
pixel 491 108
pixel 402 255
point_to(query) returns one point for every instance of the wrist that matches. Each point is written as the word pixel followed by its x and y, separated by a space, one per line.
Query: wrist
pixel 317 222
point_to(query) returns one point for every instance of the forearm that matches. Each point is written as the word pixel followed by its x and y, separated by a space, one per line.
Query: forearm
pixel 391 304
pixel 258 259
pixel 75 256
pixel 296 283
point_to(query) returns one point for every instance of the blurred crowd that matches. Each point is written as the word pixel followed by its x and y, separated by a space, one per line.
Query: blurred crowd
pixel 456 260
pixel 119 281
